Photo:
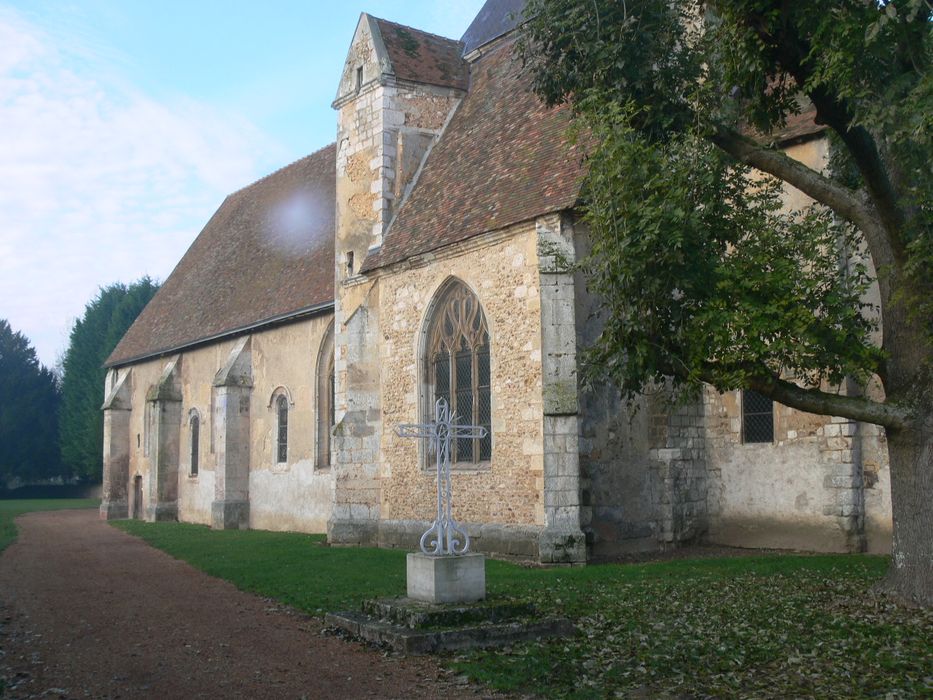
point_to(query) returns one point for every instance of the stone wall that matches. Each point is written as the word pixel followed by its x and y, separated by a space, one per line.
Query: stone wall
pixel 642 466
pixel 806 490
pixel 293 496
pixel 503 273
pixel 384 130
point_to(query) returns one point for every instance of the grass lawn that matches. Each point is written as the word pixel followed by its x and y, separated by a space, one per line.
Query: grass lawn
pixel 769 626
pixel 11 508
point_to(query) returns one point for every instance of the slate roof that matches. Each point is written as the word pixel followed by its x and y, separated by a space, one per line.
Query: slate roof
pixel 504 158
pixel 266 254
pixel 424 58
pixel 495 18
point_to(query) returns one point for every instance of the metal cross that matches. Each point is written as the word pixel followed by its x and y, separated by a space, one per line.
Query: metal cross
pixel 444 535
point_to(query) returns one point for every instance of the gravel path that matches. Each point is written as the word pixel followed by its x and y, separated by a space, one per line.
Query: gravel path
pixel 89 611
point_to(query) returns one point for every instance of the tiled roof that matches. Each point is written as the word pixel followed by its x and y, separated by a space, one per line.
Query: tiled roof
pixel 424 58
pixel 797 126
pixel 503 158
pixel 267 253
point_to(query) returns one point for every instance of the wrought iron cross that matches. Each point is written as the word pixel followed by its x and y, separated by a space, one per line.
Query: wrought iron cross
pixel 444 535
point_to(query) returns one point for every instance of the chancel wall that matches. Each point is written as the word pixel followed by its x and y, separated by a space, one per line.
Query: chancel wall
pixel 502 271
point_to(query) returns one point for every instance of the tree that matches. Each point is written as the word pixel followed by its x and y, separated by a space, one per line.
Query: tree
pixel 106 318
pixel 704 277
pixel 29 401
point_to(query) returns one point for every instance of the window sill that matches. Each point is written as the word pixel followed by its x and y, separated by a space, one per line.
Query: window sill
pixel 462 468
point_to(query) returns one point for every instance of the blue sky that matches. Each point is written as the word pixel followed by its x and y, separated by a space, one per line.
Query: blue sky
pixel 123 124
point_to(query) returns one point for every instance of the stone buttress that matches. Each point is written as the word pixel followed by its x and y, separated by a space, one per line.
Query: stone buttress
pixel 165 398
pixel 117 408
pixel 233 386
pixel 387 121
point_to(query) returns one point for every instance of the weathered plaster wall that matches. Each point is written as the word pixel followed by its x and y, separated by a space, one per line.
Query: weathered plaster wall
pixel 804 491
pixel 196 493
pixel 293 496
pixel 822 485
pixel 504 276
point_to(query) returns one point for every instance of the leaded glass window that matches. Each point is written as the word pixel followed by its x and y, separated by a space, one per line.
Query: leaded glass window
pixel 458 369
pixel 281 445
pixel 757 417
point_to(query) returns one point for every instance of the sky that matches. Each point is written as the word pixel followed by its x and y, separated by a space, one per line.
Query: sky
pixel 124 124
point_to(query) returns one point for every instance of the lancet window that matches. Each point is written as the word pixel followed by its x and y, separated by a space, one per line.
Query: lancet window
pixel 194 424
pixel 326 412
pixel 281 443
pixel 457 365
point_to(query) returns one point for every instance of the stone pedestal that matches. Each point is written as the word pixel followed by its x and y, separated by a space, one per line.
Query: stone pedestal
pixel 447 579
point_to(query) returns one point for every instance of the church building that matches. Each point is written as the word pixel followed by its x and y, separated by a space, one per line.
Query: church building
pixel 424 255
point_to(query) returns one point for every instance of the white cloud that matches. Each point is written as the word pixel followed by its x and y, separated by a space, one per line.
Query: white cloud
pixel 98 181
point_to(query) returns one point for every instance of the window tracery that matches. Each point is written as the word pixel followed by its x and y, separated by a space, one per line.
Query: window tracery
pixel 458 368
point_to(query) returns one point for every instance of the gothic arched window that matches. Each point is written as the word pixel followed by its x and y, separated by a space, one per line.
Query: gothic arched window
pixel 281 439
pixel 457 365
pixel 326 412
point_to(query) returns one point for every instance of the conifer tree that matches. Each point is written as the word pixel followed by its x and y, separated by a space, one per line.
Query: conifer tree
pixel 94 336
pixel 29 404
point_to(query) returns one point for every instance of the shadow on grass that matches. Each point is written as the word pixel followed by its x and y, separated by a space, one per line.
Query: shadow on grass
pixel 769 626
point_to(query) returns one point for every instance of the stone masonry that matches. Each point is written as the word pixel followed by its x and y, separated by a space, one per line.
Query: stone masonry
pixel 384 128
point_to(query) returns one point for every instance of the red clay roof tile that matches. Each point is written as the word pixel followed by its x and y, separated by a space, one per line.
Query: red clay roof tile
pixel 267 253
pixel 424 58
pixel 504 158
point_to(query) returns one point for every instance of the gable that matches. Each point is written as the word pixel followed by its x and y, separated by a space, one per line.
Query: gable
pixel 504 158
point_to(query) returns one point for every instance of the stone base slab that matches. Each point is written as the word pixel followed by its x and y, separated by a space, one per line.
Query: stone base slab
pixel 162 512
pixel 562 546
pixel 446 579
pixel 414 627
pixel 114 510
pixel 513 541
pixel 230 515
pixel 353 532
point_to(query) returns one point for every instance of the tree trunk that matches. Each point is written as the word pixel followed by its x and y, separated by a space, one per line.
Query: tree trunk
pixel 911 459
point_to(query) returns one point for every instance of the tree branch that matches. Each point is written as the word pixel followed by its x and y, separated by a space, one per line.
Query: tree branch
pixel 821 188
pixel 824 403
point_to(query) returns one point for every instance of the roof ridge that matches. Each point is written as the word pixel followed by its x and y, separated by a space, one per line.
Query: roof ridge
pixel 415 29
pixel 284 167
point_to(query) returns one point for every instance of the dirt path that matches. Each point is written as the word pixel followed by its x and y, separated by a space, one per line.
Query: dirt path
pixel 89 611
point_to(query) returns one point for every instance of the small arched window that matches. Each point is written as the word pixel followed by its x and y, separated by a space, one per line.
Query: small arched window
pixel 194 427
pixel 281 440
pixel 457 366
pixel 326 407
